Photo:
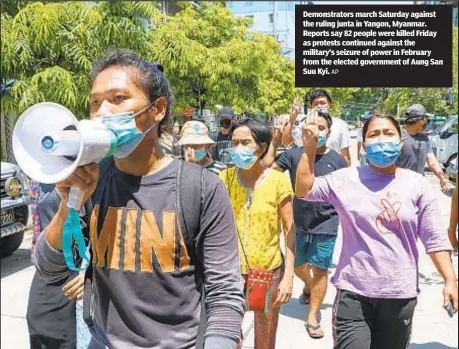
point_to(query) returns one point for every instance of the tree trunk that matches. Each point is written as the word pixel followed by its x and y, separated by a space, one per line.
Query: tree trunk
pixel 9 125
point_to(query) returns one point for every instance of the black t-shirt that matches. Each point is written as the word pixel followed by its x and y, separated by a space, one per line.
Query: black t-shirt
pixel 313 217
pixel 138 247
pixel 222 147
pixel 413 155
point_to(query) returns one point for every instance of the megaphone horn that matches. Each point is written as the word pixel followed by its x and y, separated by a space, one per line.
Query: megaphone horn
pixel 49 143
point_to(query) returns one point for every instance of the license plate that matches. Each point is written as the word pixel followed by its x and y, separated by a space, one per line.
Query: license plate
pixel 7 217
pixel 9 203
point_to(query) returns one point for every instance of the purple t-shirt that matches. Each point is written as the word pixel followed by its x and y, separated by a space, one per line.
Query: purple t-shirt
pixel 382 216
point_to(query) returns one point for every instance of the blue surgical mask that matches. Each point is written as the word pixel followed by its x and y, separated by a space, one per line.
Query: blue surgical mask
pixel 124 127
pixel 322 139
pixel 243 157
pixel 199 154
pixel 383 154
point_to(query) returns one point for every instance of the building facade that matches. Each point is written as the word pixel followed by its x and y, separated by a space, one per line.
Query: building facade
pixel 276 18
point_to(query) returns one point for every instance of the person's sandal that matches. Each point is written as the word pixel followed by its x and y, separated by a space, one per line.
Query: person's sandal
pixel 315 332
pixel 305 298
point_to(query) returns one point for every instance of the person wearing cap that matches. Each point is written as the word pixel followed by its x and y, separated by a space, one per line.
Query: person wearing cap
pixel 196 142
pixel 416 149
pixel 223 138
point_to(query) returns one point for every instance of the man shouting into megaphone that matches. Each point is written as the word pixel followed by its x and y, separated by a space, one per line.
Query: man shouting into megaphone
pixel 162 231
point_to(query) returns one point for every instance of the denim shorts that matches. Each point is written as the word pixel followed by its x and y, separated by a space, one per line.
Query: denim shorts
pixel 315 249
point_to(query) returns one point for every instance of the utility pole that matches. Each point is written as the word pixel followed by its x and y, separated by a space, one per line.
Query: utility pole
pixel 275 19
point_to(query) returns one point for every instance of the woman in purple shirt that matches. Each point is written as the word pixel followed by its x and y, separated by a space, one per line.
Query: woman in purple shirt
pixel 383 211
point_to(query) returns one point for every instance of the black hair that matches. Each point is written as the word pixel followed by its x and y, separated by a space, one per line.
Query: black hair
pixel 414 120
pixel 149 77
pixel 380 116
pixel 314 94
pixel 327 118
pixel 260 130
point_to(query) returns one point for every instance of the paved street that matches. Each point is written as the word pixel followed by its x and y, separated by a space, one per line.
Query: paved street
pixel 433 329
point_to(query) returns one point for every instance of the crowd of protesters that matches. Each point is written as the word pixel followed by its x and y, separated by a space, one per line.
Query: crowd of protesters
pixel 184 231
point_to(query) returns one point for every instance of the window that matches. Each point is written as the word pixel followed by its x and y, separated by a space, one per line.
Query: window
pixel 271 18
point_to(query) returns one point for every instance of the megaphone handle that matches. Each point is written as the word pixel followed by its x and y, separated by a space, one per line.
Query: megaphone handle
pixel 75 198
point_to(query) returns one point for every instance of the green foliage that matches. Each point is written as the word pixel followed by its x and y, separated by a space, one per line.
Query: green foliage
pixel 49 48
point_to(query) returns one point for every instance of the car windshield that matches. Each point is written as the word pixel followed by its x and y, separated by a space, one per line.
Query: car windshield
pixel 433 126
pixel 448 123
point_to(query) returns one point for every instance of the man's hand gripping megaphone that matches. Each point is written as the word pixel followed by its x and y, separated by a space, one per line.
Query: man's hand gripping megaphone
pixel 76 189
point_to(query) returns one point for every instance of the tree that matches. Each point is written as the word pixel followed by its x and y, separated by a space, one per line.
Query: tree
pixel 49 48
pixel 435 100
pixel 207 53
pixel 207 49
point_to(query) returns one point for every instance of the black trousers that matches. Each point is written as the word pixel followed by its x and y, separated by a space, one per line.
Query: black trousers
pixel 372 323
pixel 51 316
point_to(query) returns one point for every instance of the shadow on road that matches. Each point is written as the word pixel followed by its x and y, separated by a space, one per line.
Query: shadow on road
pixel 18 261
pixel 295 310
pixel 434 345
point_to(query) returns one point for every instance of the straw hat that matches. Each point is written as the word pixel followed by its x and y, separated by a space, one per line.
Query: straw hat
pixel 194 132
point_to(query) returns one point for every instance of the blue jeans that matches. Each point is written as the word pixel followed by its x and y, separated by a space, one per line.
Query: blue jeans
pixel 82 331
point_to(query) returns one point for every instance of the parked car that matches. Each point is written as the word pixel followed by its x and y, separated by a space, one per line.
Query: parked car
pixel 451 171
pixel 14 208
pixel 433 127
pixel 444 141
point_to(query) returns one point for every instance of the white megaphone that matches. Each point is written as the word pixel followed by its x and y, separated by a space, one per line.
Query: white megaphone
pixel 49 143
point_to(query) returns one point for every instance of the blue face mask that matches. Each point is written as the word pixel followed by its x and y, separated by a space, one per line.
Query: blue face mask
pixel 322 139
pixel 383 154
pixel 199 154
pixel 243 157
pixel 124 127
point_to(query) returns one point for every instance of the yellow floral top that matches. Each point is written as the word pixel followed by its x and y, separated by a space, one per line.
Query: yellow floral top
pixel 257 217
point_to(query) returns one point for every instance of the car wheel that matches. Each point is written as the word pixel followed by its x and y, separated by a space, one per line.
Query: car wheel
pixel 10 243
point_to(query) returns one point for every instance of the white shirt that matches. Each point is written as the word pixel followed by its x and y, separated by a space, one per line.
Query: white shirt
pixel 360 135
pixel 339 136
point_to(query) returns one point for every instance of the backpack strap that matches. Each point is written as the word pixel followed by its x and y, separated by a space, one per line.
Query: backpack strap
pixel 104 168
pixel 188 191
